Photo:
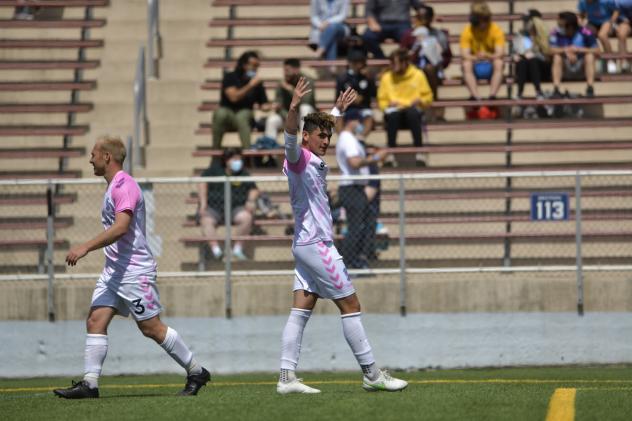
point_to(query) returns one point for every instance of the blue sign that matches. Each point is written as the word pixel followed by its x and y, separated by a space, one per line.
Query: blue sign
pixel 549 206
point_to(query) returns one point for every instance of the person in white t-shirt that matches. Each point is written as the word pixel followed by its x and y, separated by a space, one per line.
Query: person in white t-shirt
pixel 359 242
pixel 127 284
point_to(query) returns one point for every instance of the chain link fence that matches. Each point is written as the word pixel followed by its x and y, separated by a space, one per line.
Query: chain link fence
pixel 417 225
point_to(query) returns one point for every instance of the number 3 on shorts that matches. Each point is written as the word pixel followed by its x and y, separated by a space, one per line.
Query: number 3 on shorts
pixel 140 309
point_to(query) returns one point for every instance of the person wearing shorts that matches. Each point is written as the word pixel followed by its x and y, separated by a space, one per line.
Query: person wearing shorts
pixel 320 271
pixel 127 284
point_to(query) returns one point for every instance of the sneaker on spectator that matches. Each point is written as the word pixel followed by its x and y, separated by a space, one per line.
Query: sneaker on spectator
pixel 238 254
pixel 390 161
pixel 381 229
pixel 420 159
pixel 625 66
pixel 612 67
pixel 590 91
pixel 24 13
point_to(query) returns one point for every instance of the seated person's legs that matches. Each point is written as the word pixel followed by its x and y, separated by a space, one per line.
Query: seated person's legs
pixel 372 42
pixel 223 120
pixel 393 122
pixel 243 220
pixel 303 110
pixel 556 71
pixel 209 220
pixel 243 122
pixel 589 71
pixel 274 123
pixel 497 77
pixel 469 78
pixel 329 39
pixel 623 31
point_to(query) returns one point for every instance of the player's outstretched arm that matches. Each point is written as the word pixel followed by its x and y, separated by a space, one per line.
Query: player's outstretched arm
pixel 107 237
pixel 291 122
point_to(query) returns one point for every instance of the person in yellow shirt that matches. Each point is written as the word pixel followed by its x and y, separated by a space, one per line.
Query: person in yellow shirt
pixel 403 94
pixel 482 49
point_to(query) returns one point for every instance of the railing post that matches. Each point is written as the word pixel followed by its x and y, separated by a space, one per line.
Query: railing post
pixel 402 249
pixel 50 252
pixel 578 244
pixel 154 41
pixel 141 123
pixel 127 164
pixel 228 251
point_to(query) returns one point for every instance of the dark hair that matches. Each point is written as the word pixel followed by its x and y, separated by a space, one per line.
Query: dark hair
pixel 570 19
pixel 429 15
pixel 292 62
pixel 243 59
pixel 401 53
pixel 319 120
pixel 228 154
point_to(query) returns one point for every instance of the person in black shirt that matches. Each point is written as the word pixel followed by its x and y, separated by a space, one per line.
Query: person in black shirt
pixel 386 19
pixel 211 201
pixel 241 90
pixel 359 78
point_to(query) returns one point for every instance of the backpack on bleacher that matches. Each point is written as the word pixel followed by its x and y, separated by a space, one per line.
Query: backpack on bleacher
pixel 265 161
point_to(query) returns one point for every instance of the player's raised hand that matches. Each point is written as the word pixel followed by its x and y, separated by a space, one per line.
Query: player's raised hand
pixel 76 253
pixel 345 99
pixel 302 88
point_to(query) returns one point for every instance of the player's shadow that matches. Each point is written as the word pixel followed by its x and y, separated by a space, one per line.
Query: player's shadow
pixel 138 395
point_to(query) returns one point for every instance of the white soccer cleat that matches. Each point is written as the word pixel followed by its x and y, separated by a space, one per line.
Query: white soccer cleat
pixel 295 386
pixel 384 382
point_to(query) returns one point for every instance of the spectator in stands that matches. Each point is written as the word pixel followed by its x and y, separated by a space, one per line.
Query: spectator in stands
pixel 328 27
pixel 623 10
pixel 25 12
pixel 430 51
pixel 359 242
pixel 359 78
pixel 403 95
pixel 283 97
pixel 573 48
pixel 243 195
pixel 599 17
pixel 241 90
pixel 482 49
pixel 386 19
pixel 532 49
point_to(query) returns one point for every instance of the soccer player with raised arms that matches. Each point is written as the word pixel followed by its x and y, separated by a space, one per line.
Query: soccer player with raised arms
pixel 128 281
pixel 320 271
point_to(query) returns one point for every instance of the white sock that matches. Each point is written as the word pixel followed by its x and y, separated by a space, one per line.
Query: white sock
pixel 217 251
pixel 96 350
pixel 180 352
pixel 237 248
pixel 356 338
pixel 292 338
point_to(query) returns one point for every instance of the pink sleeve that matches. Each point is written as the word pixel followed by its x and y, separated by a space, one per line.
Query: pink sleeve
pixel 300 165
pixel 125 196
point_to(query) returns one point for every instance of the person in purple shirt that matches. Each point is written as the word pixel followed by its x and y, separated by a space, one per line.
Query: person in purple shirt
pixel 573 48
pixel 599 16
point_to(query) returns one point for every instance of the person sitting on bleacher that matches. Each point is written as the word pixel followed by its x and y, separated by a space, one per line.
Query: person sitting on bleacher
pixel 624 13
pixel 573 48
pixel 403 95
pixel 283 97
pixel 328 27
pixel 599 16
pixel 531 53
pixel 430 51
pixel 243 196
pixel 482 47
pixel 241 90
pixel 386 19
pixel 359 78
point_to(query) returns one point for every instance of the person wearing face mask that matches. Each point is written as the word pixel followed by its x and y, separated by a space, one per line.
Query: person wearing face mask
pixel 574 49
pixel 482 47
pixel 359 78
pixel 291 74
pixel 241 90
pixel 403 95
pixel 359 243
pixel 531 52
pixel 243 195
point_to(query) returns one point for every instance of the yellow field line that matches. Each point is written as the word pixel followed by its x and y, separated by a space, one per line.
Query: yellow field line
pixel 325 382
pixel 562 405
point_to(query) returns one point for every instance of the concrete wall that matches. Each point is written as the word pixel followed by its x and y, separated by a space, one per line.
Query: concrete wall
pixel 517 292
pixel 247 344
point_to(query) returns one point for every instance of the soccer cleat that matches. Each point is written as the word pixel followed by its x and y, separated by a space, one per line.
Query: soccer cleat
pixel 384 382
pixel 195 383
pixel 78 390
pixel 295 386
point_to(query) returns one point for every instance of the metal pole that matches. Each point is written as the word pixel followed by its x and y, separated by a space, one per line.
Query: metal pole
pixel 402 250
pixel 50 252
pixel 228 251
pixel 127 164
pixel 578 243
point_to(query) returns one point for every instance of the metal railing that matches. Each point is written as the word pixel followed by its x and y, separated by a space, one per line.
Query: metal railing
pixel 141 136
pixel 154 40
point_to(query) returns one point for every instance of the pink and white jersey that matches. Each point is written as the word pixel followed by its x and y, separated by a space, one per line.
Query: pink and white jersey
pixel 130 255
pixel 307 179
